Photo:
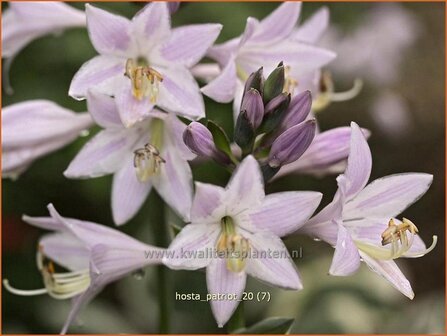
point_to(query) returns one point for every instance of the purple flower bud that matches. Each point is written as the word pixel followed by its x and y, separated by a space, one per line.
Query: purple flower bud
pixel 200 141
pixel 291 144
pixel 276 102
pixel 298 110
pixel 254 107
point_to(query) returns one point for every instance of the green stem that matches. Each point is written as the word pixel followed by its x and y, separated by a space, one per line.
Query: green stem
pixel 162 239
pixel 237 321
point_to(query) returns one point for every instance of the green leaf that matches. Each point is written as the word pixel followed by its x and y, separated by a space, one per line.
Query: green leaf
pixel 272 325
pixel 244 134
pixel 220 138
pixel 274 83
pixel 268 171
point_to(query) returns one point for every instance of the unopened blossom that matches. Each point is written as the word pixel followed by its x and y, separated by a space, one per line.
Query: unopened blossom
pixel 143 62
pixel 361 220
pixel 149 154
pixel 264 43
pixel 23 22
pixel 92 255
pixel 235 231
pixel 34 128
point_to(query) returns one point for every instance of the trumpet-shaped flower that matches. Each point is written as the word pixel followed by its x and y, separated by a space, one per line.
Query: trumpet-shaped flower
pixel 143 62
pixel 92 255
pixel 34 128
pixel 265 43
pixel 24 22
pixel 235 232
pixel 151 153
pixel 360 221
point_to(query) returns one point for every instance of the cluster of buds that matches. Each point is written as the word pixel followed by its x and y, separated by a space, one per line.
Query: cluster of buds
pixel 271 126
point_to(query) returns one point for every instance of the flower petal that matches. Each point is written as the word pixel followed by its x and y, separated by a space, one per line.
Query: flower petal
pixel 285 212
pixel 174 182
pixel 103 110
pixel 151 26
pixel 108 32
pixel 269 261
pixel 223 88
pixel 188 44
pixel 279 24
pixel 66 250
pixel 359 163
pixel 36 122
pixel 389 270
pixel 102 155
pixel 103 73
pixel 245 188
pixel 193 247
pixel 313 28
pixel 128 193
pixel 46 223
pixel 221 281
pixel 388 196
pixel 180 93
pixel 346 257
pixel 207 199
pixel 174 129
pixel 130 109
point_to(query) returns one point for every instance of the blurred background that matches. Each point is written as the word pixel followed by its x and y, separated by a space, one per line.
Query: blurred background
pixel 396 49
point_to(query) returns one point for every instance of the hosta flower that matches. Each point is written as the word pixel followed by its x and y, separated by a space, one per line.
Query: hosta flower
pixel 80 258
pixel 265 43
pixel 23 22
pixel 143 62
pixel 235 232
pixel 361 221
pixel 35 128
pixel 149 154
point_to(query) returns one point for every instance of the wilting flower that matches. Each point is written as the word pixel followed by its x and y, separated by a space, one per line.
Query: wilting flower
pixel 23 22
pixel 264 43
pixel 34 128
pixel 360 222
pixel 92 255
pixel 143 62
pixel 150 153
pixel 235 232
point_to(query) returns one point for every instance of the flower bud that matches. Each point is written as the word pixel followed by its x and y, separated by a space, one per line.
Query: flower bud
pixel 298 110
pixel 255 81
pixel 291 144
pixel 274 83
pixel 254 107
pixel 200 141
pixel 274 112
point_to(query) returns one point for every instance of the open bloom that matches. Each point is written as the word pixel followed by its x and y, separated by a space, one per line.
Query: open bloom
pixel 151 153
pixel 23 22
pixel 34 128
pixel 360 222
pixel 92 255
pixel 264 43
pixel 235 232
pixel 143 62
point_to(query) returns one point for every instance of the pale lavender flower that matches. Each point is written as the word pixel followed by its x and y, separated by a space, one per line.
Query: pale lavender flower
pixel 143 62
pixel 149 154
pixel 35 128
pixel 23 22
pixel 93 255
pixel 264 43
pixel 360 221
pixel 235 232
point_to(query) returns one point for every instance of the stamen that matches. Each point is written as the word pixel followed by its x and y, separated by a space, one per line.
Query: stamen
pixel 396 235
pixel 147 162
pixel 349 94
pixel 23 292
pixel 235 246
pixel 145 80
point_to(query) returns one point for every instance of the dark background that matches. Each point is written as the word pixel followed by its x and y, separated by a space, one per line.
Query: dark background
pixel 363 303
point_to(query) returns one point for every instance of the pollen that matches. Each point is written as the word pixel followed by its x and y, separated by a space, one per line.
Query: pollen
pixel 147 162
pixel 290 84
pixel 145 80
